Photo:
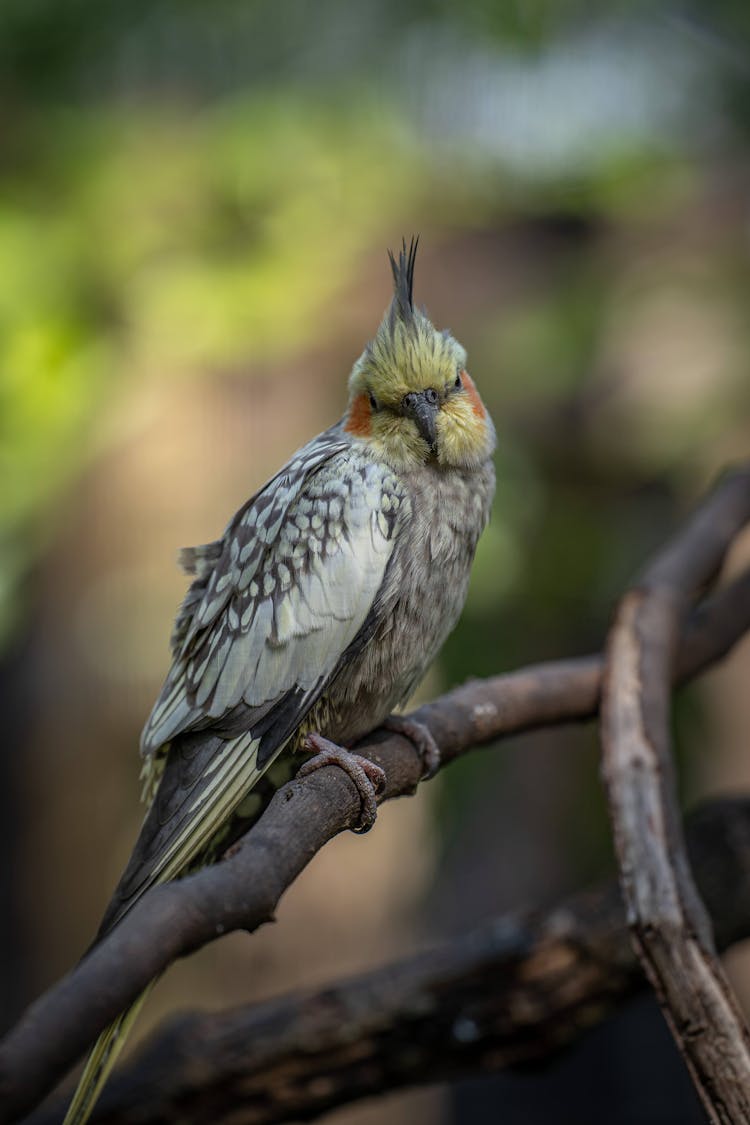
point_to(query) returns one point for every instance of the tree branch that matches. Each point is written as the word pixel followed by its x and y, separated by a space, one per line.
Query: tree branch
pixel 242 891
pixel 513 994
pixel 670 926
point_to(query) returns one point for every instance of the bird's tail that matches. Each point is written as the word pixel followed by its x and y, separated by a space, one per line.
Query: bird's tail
pixel 102 1058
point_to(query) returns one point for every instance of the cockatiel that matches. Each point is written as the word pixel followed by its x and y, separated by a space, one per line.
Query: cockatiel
pixel 317 612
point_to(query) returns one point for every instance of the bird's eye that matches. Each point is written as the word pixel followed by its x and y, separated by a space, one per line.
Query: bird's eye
pixel 373 401
pixel 458 383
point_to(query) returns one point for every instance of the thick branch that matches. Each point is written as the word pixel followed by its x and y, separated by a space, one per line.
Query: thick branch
pixel 670 927
pixel 242 891
pixel 514 993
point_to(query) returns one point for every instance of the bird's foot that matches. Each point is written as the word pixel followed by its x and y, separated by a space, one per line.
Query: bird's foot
pixel 367 777
pixel 421 738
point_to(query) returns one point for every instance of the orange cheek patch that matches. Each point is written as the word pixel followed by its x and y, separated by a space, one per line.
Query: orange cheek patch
pixel 476 403
pixel 360 417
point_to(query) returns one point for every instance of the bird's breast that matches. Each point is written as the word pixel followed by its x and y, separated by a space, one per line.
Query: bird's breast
pixel 423 593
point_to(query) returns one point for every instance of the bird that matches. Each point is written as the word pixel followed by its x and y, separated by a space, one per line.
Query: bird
pixel 316 613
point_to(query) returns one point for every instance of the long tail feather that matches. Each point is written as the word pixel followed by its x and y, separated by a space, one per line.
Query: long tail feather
pixel 168 856
pixel 102 1058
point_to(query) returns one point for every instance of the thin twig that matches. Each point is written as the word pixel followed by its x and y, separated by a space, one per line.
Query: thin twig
pixel 670 926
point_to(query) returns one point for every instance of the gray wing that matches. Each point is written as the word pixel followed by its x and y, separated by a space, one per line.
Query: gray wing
pixel 281 596
pixel 275 604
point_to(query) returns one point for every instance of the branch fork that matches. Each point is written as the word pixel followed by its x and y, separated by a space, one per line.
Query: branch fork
pixel 655 640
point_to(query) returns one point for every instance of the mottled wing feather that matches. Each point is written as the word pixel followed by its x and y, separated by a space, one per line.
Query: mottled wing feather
pixel 275 605
pixel 199 561
pixel 224 599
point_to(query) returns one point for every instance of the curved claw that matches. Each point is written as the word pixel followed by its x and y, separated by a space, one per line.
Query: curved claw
pixel 368 778
pixel 421 738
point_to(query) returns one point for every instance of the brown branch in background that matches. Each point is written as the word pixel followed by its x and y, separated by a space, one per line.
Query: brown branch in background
pixel 670 927
pixel 514 993
pixel 242 891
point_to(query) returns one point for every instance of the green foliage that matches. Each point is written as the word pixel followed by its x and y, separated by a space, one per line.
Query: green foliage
pixel 160 245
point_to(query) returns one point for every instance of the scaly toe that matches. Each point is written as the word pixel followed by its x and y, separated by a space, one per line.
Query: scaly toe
pixel 421 738
pixel 368 778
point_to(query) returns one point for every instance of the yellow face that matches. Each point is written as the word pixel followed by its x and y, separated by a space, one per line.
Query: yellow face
pixel 413 401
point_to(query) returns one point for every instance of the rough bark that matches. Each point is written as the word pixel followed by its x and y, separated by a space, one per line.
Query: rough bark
pixel 242 891
pixel 512 994
pixel 669 923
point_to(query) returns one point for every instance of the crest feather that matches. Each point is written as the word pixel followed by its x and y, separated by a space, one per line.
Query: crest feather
pixel 402 305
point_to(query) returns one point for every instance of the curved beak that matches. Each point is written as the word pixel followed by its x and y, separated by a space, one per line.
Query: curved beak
pixel 422 407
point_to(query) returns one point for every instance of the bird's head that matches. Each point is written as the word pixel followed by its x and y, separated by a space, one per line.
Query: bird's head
pixel 410 396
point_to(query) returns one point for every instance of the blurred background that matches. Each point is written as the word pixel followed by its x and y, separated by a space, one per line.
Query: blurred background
pixel 195 203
